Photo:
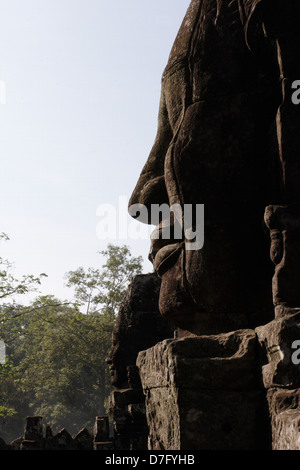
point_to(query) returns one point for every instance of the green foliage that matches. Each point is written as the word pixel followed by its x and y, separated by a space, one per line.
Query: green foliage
pixel 12 402
pixel 102 290
pixel 63 363
pixel 56 350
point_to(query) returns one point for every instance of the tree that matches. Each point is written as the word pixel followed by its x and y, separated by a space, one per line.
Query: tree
pixel 64 354
pixel 57 350
pixel 10 286
pixel 12 402
pixel 102 290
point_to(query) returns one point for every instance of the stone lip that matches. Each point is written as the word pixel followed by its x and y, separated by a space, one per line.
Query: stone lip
pixel 226 362
pixel 282 217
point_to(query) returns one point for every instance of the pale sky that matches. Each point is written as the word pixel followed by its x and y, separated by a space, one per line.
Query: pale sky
pixel 82 86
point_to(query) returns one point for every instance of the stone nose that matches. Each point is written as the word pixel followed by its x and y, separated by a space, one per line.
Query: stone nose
pixel 150 190
pixel 108 360
pixel 150 187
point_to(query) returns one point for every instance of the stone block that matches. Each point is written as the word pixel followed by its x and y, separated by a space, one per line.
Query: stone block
pixel 103 445
pixel 276 341
pixel 187 419
pixel 121 398
pixel 285 415
pixel 83 440
pixel 101 429
pixel 227 361
pixel 205 393
pixel 30 445
pixel 34 428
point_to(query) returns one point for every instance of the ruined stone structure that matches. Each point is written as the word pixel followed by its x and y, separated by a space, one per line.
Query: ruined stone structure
pixel 228 137
pixel 139 325
pixel 38 437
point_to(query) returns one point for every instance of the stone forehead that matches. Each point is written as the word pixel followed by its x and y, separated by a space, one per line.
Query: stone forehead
pixel 203 8
pixel 180 49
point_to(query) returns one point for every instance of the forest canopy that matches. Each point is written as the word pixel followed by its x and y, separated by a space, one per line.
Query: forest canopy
pixel 56 349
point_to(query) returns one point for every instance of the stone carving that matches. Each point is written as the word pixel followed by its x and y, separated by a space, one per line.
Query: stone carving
pixel 285 411
pixel 283 223
pixel 280 372
pixel 211 389
pixel 228 137
pixel 217 145
pixel 139 326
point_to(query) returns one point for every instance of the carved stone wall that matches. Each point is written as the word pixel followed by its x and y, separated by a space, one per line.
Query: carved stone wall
pixel 205 393
pixel 228 137
pixel 139 325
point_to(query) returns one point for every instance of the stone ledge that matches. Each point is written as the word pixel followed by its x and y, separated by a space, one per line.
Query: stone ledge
pixel 205 393
pixel 276 339
pixel 226 361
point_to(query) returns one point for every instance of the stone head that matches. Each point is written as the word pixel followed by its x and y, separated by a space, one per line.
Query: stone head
pixel 216 117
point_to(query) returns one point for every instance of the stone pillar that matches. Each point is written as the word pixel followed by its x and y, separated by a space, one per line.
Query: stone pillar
pixel 101 434
pixel 139 325
pixel 204 393
pixel 33 433
pixel 129 419
pixel 283 223
pixel 279 338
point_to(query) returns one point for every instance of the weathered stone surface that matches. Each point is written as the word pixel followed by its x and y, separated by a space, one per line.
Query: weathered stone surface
pixel 276 339
pixel 122 398
pixel 30 445
pixel 224 421
pixel 33 428
pixel 205 393
pixel 139 325
pixel 187 419
pixel 279 339
pixel 219 143
pixel 283 223
pixel 228 137
pixel 163 417
pixel 33 434
pixel 285 412
pixel 101 434
pixel 83 440
pixel 129 419
pixel 16 443
pixel 63 439
pixel 3 445
pixel 227 362
pixel 104 446
pixel 135 410
pixel 101 429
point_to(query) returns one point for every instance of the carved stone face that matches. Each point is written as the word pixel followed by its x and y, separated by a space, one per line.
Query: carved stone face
pixel 213 147
pixel 138 326
pixel 283 223
pixel 117 358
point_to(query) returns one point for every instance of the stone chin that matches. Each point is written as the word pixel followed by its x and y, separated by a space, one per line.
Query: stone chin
pixel 175 301
pixel 195 300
